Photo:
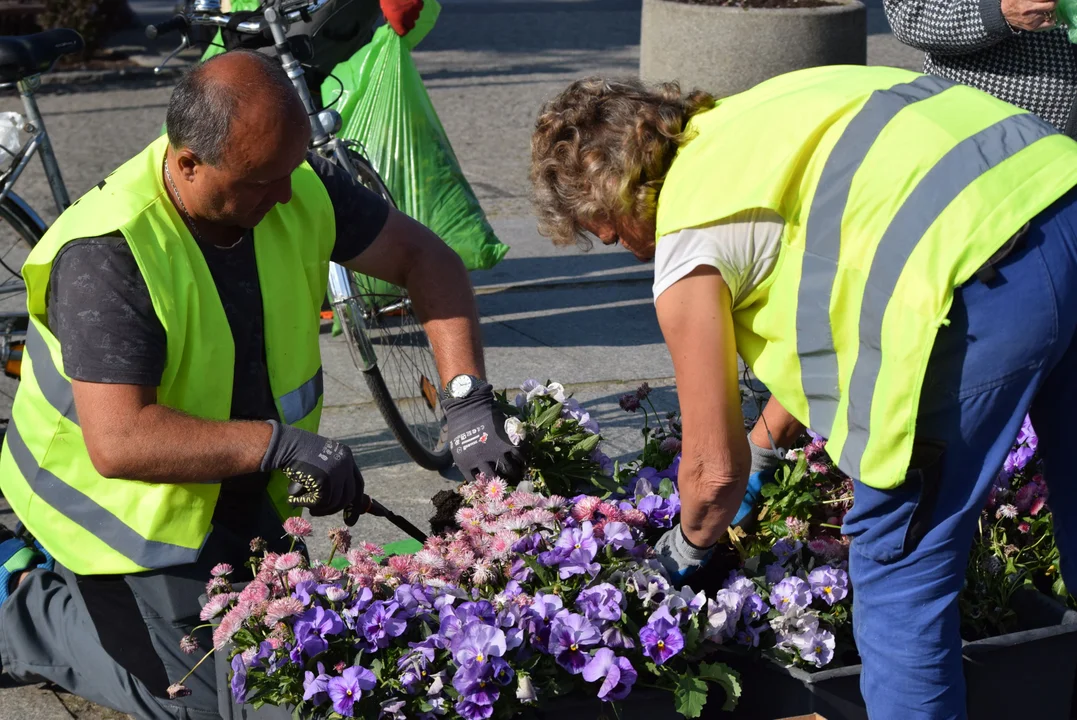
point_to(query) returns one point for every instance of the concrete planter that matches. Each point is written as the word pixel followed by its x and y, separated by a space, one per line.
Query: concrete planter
pixel 726 50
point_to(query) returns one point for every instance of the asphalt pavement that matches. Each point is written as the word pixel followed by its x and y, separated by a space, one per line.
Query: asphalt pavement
pixel 584 319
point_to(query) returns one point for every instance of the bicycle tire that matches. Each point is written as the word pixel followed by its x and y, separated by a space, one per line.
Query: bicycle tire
pixel 15 213
pixel 28 230
pixel 415 433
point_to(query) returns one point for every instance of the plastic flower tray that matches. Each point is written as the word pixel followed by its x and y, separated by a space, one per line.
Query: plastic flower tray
pixel 1041 659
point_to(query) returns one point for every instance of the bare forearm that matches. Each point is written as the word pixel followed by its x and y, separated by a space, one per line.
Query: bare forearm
pixel 710 496
pixel 167 446
pixel 441 292
pixel 783 427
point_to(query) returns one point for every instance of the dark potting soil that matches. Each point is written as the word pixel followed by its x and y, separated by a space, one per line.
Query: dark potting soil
pixel 446 503
pixel 773 4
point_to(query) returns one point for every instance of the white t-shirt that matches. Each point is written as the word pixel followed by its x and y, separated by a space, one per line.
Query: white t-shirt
pixel 742 247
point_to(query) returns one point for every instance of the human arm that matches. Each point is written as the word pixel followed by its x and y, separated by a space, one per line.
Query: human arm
pixel 775 429
pixel 409 255
pixel 957 27
pixel 113 348
pixel 696 320
pixel 128 435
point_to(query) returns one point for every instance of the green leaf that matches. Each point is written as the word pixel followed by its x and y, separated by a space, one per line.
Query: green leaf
pixel 690 696
pixel 665 488
pixel 725 677
pixel 691 635
pixel 587 444
pixel 549 416
pixel 376 667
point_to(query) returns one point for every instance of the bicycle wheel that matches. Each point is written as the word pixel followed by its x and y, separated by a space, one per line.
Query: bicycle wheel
pixel 20 230
pixel 390 347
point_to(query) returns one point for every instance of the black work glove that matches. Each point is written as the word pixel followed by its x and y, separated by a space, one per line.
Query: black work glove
pixel 477 437
pixel 323 472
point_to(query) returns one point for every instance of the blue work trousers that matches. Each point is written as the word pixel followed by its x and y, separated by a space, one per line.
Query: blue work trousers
pixel 1009 349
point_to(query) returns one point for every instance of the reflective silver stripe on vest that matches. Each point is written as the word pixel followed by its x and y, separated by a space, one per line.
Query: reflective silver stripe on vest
pixel 82 510
pixel 815 343
pixel 301 402
pixel 958 169
pixel 54 386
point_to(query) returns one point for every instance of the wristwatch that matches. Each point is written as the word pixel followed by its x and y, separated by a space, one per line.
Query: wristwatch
pixel 463 385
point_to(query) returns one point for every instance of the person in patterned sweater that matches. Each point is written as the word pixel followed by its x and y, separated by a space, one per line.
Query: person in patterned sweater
pixel 1010 49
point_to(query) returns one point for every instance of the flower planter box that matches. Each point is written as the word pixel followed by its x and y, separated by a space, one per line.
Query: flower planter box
pixel 725 50
pixel 1041 659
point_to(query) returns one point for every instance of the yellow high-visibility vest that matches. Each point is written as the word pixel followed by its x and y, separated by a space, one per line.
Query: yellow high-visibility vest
pixel 96 525
pixel 895 188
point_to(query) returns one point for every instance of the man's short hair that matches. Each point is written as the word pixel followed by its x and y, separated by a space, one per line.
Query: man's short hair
pixel 202 107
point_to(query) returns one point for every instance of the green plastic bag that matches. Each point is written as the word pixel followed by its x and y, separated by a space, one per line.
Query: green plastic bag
pixel 1066 14
pixel 386 109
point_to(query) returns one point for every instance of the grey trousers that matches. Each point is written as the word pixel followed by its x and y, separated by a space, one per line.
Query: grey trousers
pixel 47 633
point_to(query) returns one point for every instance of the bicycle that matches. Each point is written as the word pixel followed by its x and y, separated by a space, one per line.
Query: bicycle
pixel 385 339
pixel 22 61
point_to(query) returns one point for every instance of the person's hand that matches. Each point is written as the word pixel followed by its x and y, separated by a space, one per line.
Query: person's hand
pixel 401 14
pixel 323 472
pixel 680 558
pixel 477 437
pixel 764 464
pixel 1029 14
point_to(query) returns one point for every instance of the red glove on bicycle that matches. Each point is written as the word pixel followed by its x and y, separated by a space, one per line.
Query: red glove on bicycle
pixel 401 14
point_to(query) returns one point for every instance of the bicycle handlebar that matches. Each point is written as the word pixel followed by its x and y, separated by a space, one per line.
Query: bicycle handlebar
pixel 179 22
pixel 254 26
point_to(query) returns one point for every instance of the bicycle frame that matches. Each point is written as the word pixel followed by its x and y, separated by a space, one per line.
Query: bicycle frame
pixel 38 142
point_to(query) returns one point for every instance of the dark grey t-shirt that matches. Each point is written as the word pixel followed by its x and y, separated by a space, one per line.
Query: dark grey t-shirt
pixel 100 309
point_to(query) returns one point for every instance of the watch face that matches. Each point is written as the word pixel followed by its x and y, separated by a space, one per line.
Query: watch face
pixel 460 386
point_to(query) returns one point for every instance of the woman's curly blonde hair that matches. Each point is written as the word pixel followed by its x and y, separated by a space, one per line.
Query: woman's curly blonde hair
pixel 601 150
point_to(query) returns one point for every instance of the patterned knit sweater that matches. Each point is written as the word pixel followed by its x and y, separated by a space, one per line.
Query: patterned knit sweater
pixel 969 41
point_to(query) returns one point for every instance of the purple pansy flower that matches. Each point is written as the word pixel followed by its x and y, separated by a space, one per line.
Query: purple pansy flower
pixel 239 679
pixel 315 687
pixel 661 637
pixel 774 573
pixel 346 690
pixel 380 624
pixel 784 549
pixel 616 673
pixel 749 635
pixel 754 608
pixel 313 626
pixel 601 602
pixel 660 511
pixel 476 683
pixel 618 535
pixel 739 584
pixel 830 584
pixel 792 592
pixel 578 562
pixel 815 646
pixel 478 643
pixel 723 612
pixel 473 711
pixel 570 636
pixel 613 637
pixel 579 538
